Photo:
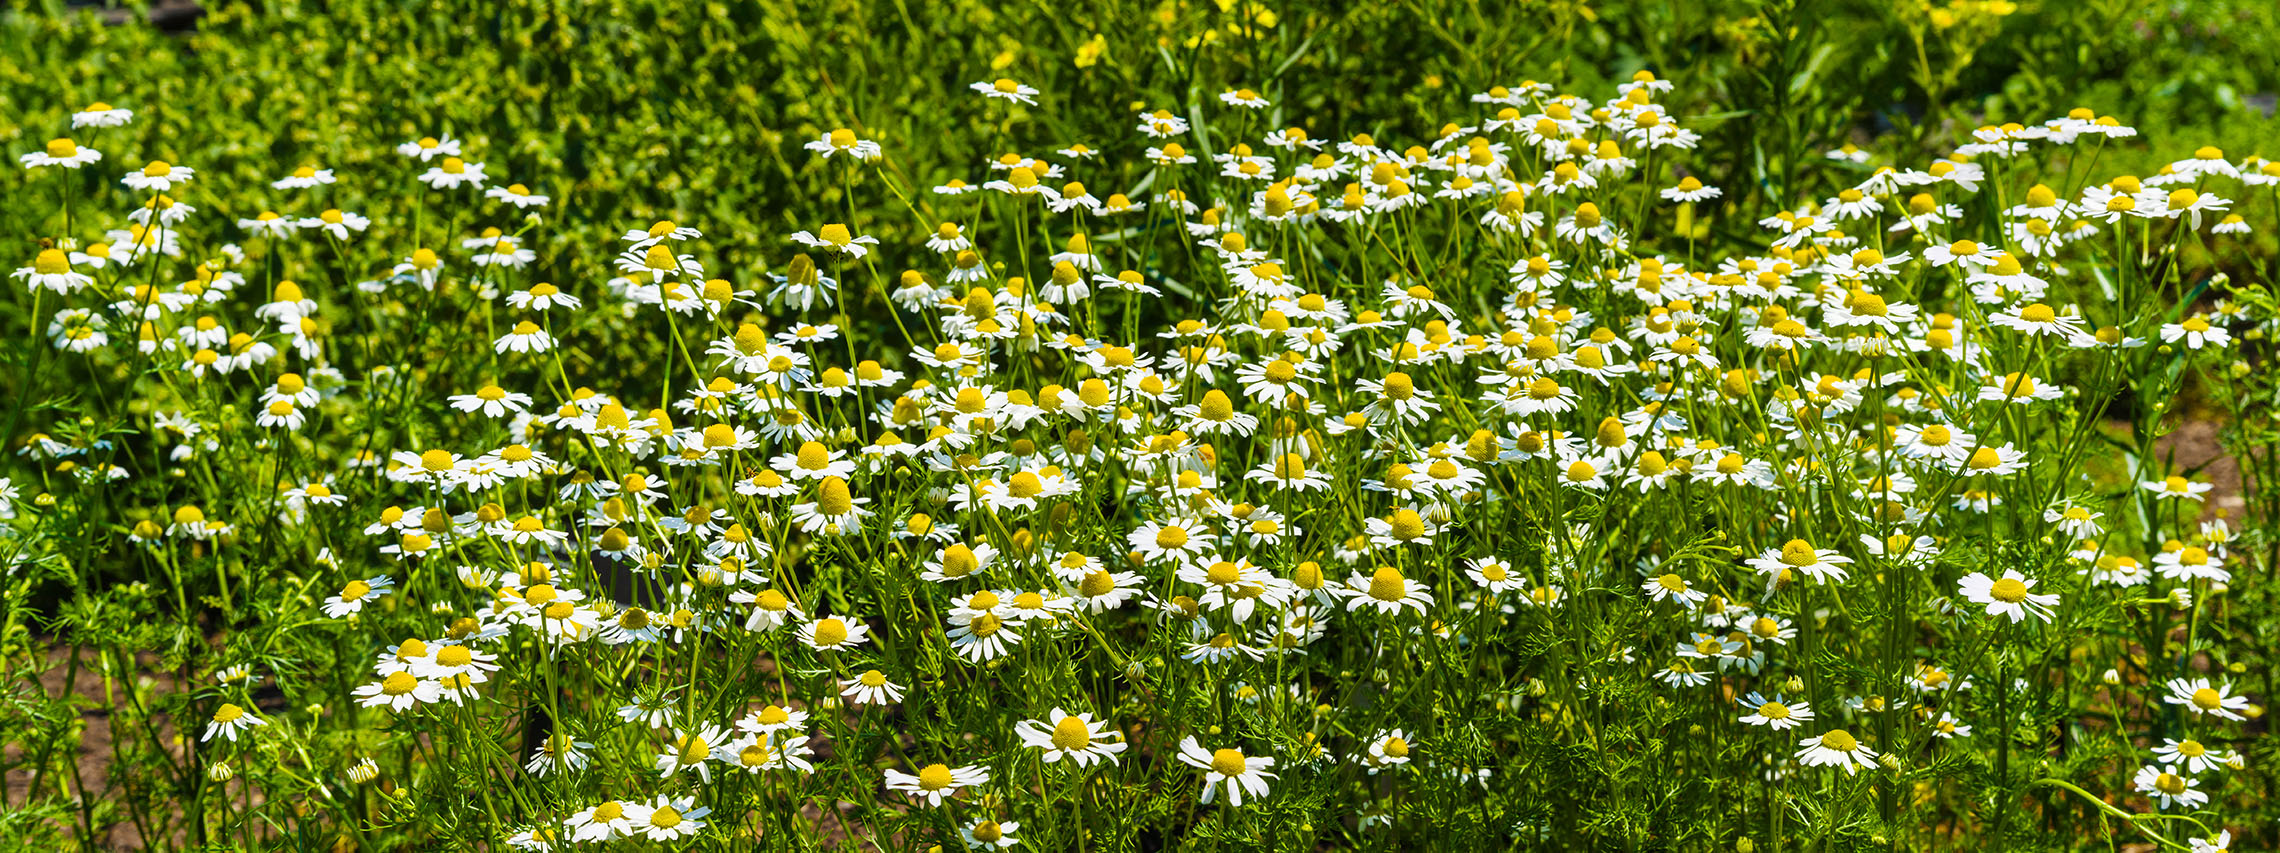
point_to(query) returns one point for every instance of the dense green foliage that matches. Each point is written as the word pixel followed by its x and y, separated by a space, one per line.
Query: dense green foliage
pixel 168 564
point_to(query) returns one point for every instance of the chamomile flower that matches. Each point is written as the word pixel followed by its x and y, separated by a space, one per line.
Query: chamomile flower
pixel 2194 756
pixel 986 834
pixel 1076 737
pixel 2010 595
pixel 2200 696
pixel 834 634
pixel 1774 713
pixel 518 195
pixel 934 783
pixel 667 818
pixel 399 692
pixel 1836 748
pixel 1006 89
pixel 229 720
pixel 1230 770
pixel 1797 555
pixel 2169 787
pixel 158 176
pixel 871 688
pixel 357 593
pixel 60 152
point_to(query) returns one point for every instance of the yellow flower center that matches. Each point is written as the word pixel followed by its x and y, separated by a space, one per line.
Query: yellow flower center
pixel 1228 762
pixel 2008 590
pixel 934 777
pixel 830 632
pixel 1398 386
pixel 833 499
pixel 1171 537
pixel 1840 740
pixel 1406 525
pixel 1387 584
pixel 1071 733
pixel 398 684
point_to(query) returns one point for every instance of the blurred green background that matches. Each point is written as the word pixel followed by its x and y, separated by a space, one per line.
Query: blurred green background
pixel 633 110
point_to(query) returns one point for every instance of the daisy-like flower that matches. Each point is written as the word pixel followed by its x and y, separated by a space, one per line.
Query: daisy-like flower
pixel 1243 98
pixel 871 688
pixel 834 634
pixel 1007 89
pixel 100 114
pixel 2194 756
pixel 2010 595
pixel 835 237
pixel 667 818
pixel 158 176
pixel 271 224
pixel 2190 563
pixel 357 593
pixel 428 147
pixel 1178 539
pixel 2169 787
pixel 453 173
pixel 1494 575
pixel 492 401
pixel 1690 189
pixel 1836 748
pixel 453 660
pixel 1228 769
pixel 600 822
pixel 2177 488
pixel 559 753
pixel 1076 737
pixel 1672 586
pixel 2220 843
pixel 2200 696
pixel 1387 749
pixel 1387 591
pixel 986 834
pixel 2075 520
pixel 541 297
pixel 1821 564
pixel 2196 332
pixel 228 720
pixel 936 782
pixel 60 152
pixel 304 178
pixel 1775 713
pixel 526 336
pixel 518 195
pixel 691 751
pixel 844 141
pixel 399 692
pixel 51 269
pixel 981 636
